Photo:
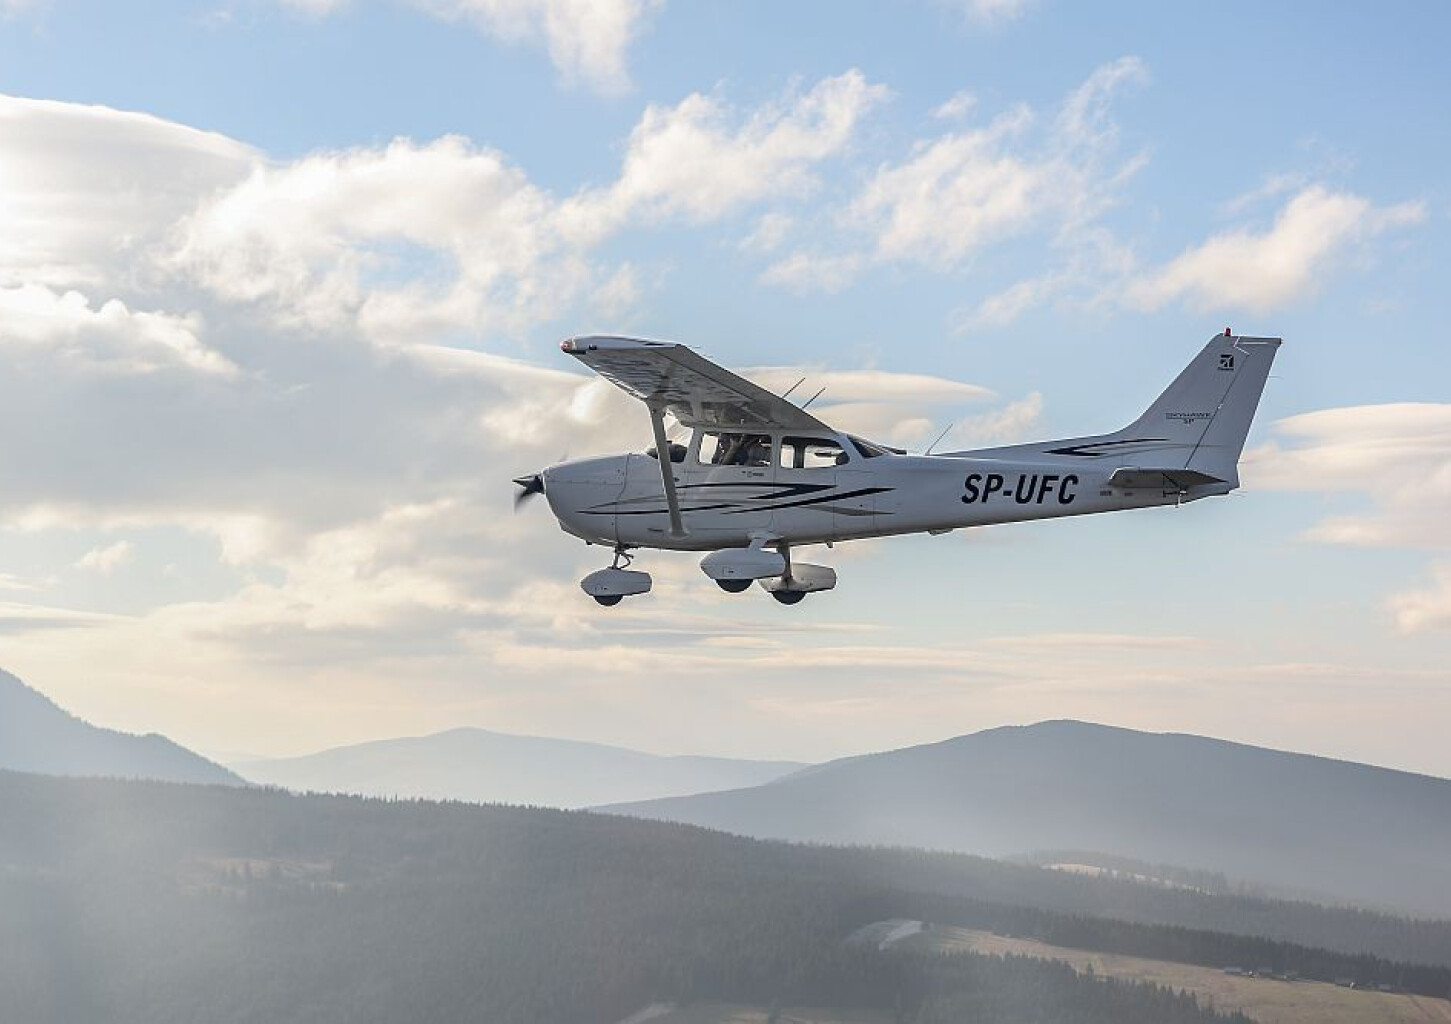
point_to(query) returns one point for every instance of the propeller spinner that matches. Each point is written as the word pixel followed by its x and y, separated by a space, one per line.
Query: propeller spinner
pixel 529 486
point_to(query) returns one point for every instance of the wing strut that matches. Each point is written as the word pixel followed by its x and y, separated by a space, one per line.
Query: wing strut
pixel 667 472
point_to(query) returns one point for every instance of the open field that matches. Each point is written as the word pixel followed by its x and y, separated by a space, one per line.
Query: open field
pixel 1268 1001
pixel 712 1013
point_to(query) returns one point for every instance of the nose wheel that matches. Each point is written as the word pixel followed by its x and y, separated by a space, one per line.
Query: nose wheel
pixel 611 586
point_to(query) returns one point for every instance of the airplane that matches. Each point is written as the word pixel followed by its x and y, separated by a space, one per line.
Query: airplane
pixel 760 476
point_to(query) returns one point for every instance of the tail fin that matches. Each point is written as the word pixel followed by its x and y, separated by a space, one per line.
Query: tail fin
pixel 1192 435
pixel 1201 420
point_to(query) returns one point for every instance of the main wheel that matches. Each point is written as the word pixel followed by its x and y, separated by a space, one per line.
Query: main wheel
pixel 788 596
pixel 734 586
pixel 608 600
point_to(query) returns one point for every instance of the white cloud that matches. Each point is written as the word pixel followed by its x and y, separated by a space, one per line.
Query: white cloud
pixel 991 12
pixel 414 239
pixel 962 191
pixel 1397 455
pixel 85 190
pixel 587 39
pixel 1398 459
pixel 1428 608
pixel 360 235
pixel 699 160
pixel 957 106
pixel 108 559
pixel 33 317
pixel 770 230
pixel 315 8
pixel 1261 270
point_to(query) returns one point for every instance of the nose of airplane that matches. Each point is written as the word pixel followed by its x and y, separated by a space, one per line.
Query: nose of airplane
pixel 529 486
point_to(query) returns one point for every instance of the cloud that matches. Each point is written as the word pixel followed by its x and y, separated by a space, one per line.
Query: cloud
pixel 112 337
pixel 84 190
pixel 408 239
pixel 960 192
pixel 1397 459
pixel 1258 271
pixel 315 8
pixel 957 106
pixel 1428 608
pixel 418 239
pixel 587 39
pixel 108 559
pixel 1397 455
pixel 771 228
pixel 699 160
pixel 992 12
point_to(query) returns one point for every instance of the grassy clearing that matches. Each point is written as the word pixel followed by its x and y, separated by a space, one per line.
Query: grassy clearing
pixel 1268 1001
pixel 718 1014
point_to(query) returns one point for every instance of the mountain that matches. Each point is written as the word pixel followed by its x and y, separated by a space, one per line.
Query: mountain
pixel 37 736
pixel 491 767
pixel 1359 833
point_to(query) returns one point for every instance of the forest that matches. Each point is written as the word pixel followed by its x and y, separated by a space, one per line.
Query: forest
pixel 133 901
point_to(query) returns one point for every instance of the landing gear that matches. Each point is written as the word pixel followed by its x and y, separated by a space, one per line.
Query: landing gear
pixel 799 579
pixel 609 586
pixel 734 586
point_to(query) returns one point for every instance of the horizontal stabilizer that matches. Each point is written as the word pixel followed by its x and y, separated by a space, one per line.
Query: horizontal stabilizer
pixel 1132 478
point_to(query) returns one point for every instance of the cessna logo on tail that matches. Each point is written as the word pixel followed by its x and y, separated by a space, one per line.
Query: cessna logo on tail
pixel 1226 361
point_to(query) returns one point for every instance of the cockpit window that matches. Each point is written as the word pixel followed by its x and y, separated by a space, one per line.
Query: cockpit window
pixel 867 450
pixel 721 448
pixel 811 453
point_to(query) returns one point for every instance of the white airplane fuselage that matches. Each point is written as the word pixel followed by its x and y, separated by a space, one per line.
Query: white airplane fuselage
pixel 760 477
pixel 619 500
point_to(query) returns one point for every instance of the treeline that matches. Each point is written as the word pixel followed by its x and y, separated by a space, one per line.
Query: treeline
pixel 1342 929
pixel 1173 875
pixel 1170 942
pixel 131 902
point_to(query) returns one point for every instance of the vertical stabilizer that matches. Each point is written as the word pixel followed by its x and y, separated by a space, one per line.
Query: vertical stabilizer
pixel 1202 418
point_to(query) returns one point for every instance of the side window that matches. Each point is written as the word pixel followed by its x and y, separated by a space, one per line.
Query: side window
pixel 729 448
pixel 811 453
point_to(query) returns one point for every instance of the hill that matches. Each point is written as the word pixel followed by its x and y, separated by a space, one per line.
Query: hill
pixel 142 902
pixel 37 736
pixel 480 766
pixel 139 901
pixel 1361 833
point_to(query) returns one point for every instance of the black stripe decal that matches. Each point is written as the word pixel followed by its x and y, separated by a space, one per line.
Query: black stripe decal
pixel 814 501
pixel 1081 450
pixel 735 508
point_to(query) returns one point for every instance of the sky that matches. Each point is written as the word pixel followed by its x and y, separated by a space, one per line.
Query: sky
pixel 282 283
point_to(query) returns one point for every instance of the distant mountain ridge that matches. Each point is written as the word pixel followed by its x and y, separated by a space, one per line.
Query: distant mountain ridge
pixel 38 736
pixel 480 766
pixel 1366 834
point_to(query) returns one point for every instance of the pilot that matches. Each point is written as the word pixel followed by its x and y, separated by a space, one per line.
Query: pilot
pixel 757 451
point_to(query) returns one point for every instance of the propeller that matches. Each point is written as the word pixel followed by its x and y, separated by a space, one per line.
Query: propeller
pixel 528 487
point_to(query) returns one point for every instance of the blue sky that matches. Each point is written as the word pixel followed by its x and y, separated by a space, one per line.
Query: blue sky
pixel 281 283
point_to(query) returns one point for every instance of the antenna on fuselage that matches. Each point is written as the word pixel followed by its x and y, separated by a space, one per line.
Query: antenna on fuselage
pixel 793 387
pixel 813 397
pixel 940 436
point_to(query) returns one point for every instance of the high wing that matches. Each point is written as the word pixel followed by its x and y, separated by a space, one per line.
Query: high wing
pixel 698 393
